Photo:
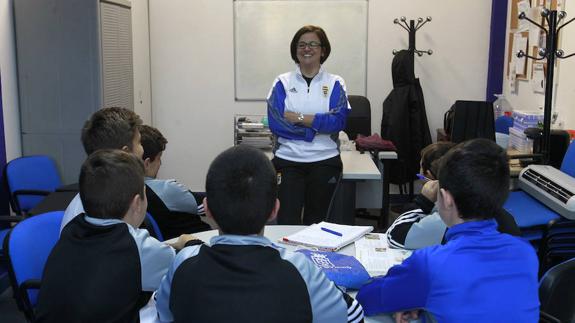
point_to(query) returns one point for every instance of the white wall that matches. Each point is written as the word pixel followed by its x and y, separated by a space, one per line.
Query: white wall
pixel 193 82
pixel 8 74
pixel 564 94
pixel 141 60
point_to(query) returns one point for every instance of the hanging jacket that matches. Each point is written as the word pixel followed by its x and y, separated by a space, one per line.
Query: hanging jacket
pixel 404 120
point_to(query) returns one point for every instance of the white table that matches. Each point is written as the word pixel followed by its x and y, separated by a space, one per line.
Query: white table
pixel 386 157
pixel 356 167
pixel 273 233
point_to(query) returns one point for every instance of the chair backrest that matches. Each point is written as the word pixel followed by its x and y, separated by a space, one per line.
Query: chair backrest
pixel 556 291
pixel 30 173
pixel 503 123
pixel 154 226
pixel 472 119
pixel 568 164
pixel 359 119
pixel 28 246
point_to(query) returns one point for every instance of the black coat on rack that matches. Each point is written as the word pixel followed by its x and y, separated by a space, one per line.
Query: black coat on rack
pixel 404 119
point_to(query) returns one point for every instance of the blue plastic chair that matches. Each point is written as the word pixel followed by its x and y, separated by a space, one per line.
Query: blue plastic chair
pixel 28 180
pixel 4 281
pixel 503 123
pixel 532 216
pixel 28 246
pixel 157 233
pixel 556 292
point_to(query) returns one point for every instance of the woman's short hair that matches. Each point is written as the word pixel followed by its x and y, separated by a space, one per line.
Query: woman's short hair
pixel 322 38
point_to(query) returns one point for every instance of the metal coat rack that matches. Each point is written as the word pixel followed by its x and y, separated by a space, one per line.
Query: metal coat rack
pixel 551 53
pixel 412 28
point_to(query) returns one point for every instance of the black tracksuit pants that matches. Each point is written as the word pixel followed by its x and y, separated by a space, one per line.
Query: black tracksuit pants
pixel 307 185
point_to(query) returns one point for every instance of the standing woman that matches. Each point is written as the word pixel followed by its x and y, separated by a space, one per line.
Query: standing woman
pixel 306 110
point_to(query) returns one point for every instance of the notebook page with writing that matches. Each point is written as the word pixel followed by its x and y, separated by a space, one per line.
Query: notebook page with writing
pixel 327 236
pixel 374 253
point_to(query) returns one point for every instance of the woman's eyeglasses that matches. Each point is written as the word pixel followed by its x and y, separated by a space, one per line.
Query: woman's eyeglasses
pixel 311 44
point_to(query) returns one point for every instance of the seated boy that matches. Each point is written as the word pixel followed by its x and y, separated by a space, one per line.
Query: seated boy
pixel 103 268
pixel 172 205
pixel 421 226
pixel 479 274
pixel 242 276
pixel 108 128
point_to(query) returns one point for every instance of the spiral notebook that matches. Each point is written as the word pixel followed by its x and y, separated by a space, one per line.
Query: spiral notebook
pixel 327 236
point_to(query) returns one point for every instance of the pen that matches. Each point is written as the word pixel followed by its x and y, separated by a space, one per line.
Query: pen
pixel 423 177
pixel 332 232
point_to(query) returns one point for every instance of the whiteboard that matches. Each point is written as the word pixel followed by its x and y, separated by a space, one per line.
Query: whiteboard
pixel 263 30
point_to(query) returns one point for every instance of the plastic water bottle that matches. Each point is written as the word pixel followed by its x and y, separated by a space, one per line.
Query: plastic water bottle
pixel 501 106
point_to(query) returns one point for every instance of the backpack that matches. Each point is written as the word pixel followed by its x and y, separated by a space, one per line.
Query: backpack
pixel 448 120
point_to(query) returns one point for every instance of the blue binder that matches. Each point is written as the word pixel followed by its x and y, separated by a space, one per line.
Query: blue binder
pixel 345 271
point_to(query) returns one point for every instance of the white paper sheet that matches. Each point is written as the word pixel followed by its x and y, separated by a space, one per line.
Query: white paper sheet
pixel 538 80
pixel 519 43
pixel 534 30
pixel 512 78
pixel 375 254
pixel 523 6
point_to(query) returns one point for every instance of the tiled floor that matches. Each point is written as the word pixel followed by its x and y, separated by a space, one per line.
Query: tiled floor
pixel 8 310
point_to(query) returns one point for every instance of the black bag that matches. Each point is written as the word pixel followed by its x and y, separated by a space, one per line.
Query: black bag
pixel 448 120
pixel 468 120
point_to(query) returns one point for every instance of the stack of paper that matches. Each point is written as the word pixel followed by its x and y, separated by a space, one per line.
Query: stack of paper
pixel 327 236
pixel 376 256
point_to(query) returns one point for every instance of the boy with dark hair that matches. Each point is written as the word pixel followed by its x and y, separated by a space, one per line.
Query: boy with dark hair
pixel 103 268
pixel 172 205
pixel 112 128
pixel 255 279
pixel 420 225
pixel 107 128
pixel 479 274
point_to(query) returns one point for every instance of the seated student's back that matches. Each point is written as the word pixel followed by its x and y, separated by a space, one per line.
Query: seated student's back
pixel 172 205
pixel 479 274
pixel 243 276
pixel 103 268
pixel 107 128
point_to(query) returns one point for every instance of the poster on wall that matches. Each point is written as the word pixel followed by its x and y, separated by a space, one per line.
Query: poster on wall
pixel 538 78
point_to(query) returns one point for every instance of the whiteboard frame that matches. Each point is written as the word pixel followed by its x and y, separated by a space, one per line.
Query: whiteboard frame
pixel 285 62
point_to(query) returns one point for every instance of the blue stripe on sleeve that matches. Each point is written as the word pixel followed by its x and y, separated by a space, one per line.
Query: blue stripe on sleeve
pixel 335 95
pixel 334 120
pixel 280 126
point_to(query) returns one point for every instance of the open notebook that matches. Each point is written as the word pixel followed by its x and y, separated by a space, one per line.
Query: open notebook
pixel 327 236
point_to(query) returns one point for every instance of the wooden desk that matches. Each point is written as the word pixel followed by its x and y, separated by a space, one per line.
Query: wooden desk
pixel 56 201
